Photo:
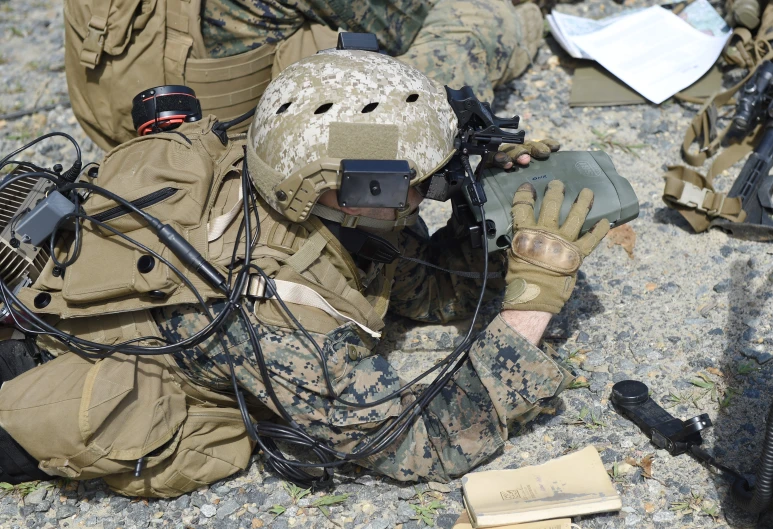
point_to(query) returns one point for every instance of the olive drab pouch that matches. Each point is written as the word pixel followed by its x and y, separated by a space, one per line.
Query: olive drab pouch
pixel 213 444
pixel 84 419
pixel 174 176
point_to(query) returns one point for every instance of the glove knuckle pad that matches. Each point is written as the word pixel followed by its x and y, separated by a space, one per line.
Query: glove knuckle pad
pixel 547 251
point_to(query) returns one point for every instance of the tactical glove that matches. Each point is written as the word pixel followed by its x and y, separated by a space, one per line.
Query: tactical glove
pixel 537 149
pixel 544 258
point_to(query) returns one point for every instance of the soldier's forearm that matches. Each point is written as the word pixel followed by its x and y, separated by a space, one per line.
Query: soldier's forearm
pixel 530 324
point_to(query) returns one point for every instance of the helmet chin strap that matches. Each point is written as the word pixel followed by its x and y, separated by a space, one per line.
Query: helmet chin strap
pixel 404 218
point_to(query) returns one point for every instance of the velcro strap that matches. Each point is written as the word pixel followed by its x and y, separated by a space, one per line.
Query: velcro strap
pixel 689 192
pixel 302 295
pixel 94 43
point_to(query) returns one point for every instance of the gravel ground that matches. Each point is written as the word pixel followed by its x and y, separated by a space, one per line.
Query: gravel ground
pixel 682 305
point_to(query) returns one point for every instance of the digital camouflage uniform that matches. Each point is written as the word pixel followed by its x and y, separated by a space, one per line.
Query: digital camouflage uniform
pixel 504 380
pixel 480 43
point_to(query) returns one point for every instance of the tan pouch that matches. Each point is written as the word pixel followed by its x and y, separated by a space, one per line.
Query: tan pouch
pixel 109 268
pixel 114 49
pixel 85 419
pixel 213 444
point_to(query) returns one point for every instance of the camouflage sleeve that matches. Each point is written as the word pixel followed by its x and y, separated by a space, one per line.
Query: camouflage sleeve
pixel 427 294
pixel 505 379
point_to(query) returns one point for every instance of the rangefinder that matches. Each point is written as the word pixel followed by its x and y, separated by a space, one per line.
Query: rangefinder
pixel 613 197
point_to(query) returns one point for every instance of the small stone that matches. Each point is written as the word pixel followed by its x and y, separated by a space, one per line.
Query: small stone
pixel 406 493
pixel 43 506
pixel 722 287
pixel 65 511
pixel 439 487
pixel 382 523
pixel 208 510
pixel 368 508
pixel 227 508
pixel 222 490
pixel 35 497
pixel 663 516
pixel 761 356
pixel 632 520
pixel 582 337
pixel 446 521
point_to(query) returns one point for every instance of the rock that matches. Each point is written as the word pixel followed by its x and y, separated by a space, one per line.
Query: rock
pixel 406 493
pixel 404 512
pixel 758 354
pixel 181 503
pixel 663 516
pixel 439 487
pixel 227 508
pixel 208 510
pixel 722 287
pixel 446 521
pixel 65 511
pixel 382 523
pixel 35 497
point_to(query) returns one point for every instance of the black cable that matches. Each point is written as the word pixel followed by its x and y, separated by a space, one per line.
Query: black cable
pixel 265 434
pixel 225 125
pixel 76 165
pixel 391 431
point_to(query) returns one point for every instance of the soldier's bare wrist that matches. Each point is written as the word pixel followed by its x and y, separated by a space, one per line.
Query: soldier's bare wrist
pixel 530 324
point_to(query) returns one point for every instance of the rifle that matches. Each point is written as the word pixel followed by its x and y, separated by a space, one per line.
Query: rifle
pixel 754 185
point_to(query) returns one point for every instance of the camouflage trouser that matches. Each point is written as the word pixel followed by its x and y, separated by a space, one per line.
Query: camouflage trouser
pixel 480 43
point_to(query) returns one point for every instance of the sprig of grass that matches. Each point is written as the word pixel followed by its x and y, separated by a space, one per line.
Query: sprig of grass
pixel 587 418
pixel 605 141
pixel 295 492
pixel 325 501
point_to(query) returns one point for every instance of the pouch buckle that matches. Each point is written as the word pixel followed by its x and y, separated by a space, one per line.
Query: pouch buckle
pixel 693 196
pixel 94 43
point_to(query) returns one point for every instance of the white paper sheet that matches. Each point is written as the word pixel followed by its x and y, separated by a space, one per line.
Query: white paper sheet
pixel 653 51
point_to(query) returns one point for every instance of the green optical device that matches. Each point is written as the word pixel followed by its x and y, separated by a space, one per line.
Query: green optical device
pixel 613 197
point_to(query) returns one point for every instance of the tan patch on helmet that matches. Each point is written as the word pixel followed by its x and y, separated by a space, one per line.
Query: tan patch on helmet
pixel 546 250
pixel 363 141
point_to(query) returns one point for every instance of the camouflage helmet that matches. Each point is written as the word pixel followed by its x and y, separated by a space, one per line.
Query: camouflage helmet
pixel 344 104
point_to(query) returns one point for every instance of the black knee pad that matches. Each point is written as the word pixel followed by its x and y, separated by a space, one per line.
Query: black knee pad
pixel 16 357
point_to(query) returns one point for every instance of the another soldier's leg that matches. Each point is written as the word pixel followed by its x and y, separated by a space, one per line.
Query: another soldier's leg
pixel 480 43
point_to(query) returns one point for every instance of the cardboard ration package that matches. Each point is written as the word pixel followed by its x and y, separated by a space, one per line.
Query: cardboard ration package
pixel 572 485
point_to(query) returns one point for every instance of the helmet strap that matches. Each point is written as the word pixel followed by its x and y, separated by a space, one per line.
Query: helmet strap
pixel 359 221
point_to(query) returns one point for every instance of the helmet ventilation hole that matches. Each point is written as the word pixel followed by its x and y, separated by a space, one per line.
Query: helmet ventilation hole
pixel 323 108
pixel 411 98
pixel 370 107
pixel 284 107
